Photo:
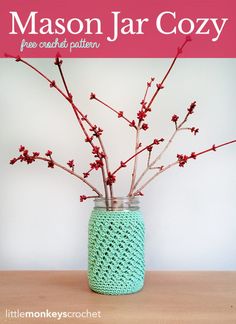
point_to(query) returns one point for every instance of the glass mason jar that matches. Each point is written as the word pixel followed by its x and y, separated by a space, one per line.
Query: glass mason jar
pixel 116 246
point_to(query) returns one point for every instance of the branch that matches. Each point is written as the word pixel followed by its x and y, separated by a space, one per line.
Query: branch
pixel 160 86
pixel 51 163
pixel 150 165
pixel 120 114
pixel 59 62
pixel 148 147
pixel 133 177
pixel 146 108
pixel 138 191
pixel 213 148
pixel 182 160
pixel 69 98
pixel 149 84
pixel 141 116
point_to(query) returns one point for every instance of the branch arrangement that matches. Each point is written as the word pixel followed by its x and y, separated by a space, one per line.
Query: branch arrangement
pixel 93 135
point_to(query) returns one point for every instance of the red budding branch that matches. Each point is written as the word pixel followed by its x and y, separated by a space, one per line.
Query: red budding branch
pixel 93 136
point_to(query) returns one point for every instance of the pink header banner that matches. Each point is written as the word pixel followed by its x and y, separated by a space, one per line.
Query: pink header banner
pixel 105 28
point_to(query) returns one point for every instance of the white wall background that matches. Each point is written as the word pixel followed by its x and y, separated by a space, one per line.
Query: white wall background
pixel 189 213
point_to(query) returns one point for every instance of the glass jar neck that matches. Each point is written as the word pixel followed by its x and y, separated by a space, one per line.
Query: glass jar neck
pixel 117 203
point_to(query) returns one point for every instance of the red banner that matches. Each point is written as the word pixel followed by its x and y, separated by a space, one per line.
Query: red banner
pixel 107 28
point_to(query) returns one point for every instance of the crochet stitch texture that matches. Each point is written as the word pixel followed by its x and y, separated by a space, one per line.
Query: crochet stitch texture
pixel 116 251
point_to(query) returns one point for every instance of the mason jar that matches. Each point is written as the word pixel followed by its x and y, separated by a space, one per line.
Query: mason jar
pixel 116 246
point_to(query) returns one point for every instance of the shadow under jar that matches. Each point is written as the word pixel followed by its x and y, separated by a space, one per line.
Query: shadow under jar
pixel 116 246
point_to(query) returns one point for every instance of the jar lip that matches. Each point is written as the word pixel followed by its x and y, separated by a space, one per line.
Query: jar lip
pixel 127 198
pixel 117 203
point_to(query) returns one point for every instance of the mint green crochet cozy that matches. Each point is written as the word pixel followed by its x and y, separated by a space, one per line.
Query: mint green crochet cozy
pixel 116 251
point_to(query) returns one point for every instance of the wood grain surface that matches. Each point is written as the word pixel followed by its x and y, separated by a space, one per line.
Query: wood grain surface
pixel 167 298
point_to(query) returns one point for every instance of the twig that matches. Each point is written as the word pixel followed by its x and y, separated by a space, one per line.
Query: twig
pixel 120 114
pixel 159 87
pixel 68 97
pixel 137 137
pixel 123 164
pixel 150 165
pixel 58 62
pixel 137 192
pixel 192 156
pixel 65 169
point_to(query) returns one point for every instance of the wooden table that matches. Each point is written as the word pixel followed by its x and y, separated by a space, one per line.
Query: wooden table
pixel 168 297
